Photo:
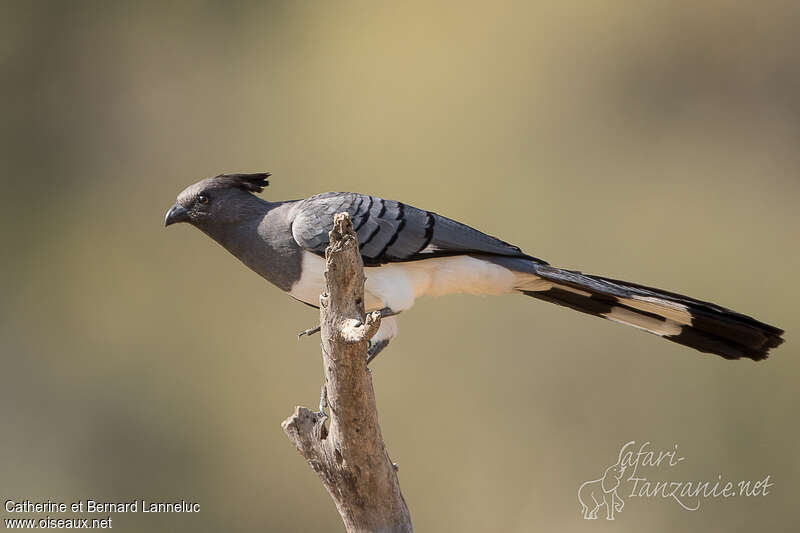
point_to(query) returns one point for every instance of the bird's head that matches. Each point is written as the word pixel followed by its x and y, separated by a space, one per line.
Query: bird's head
pixel 219 199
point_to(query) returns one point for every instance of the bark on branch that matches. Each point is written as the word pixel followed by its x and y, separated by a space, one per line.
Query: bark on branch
pixel 349 456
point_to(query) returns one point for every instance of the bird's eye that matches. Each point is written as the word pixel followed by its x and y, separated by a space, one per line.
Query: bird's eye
pixel 203 199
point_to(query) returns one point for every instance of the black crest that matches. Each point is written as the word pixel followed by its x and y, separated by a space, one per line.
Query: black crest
pixel 248 182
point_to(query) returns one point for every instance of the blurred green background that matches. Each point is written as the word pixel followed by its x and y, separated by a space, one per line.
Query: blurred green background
pixel 649 141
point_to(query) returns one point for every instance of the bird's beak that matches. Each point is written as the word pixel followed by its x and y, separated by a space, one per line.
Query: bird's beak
pixel 176 213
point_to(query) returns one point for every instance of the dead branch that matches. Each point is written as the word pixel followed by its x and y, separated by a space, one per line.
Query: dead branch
pixel 349 456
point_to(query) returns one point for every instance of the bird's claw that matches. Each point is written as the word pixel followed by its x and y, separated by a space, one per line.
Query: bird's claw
pixel 308 332
pixel 323 401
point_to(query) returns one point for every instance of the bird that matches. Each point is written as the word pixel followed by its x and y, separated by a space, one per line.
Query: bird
pixel 410 252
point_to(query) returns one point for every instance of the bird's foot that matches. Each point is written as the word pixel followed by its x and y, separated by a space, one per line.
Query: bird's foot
pixel 323 401
pixel 375 348
pixel 385 312
pixel 309 331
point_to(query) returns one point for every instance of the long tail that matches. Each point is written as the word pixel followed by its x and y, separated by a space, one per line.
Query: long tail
pixel 700 325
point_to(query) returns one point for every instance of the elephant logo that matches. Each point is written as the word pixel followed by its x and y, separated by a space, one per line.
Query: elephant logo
pixel 597 493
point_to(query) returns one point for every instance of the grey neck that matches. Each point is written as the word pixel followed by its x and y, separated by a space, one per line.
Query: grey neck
pixel 260 236
pixel 229 230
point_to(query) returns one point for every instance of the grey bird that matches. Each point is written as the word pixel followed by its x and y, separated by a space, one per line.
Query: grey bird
pixel 410 252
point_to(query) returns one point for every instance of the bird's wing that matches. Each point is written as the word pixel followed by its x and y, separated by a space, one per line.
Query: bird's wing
pixel 390 231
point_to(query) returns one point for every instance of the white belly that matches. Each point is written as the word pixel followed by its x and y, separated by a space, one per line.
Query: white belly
pixel 397 285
